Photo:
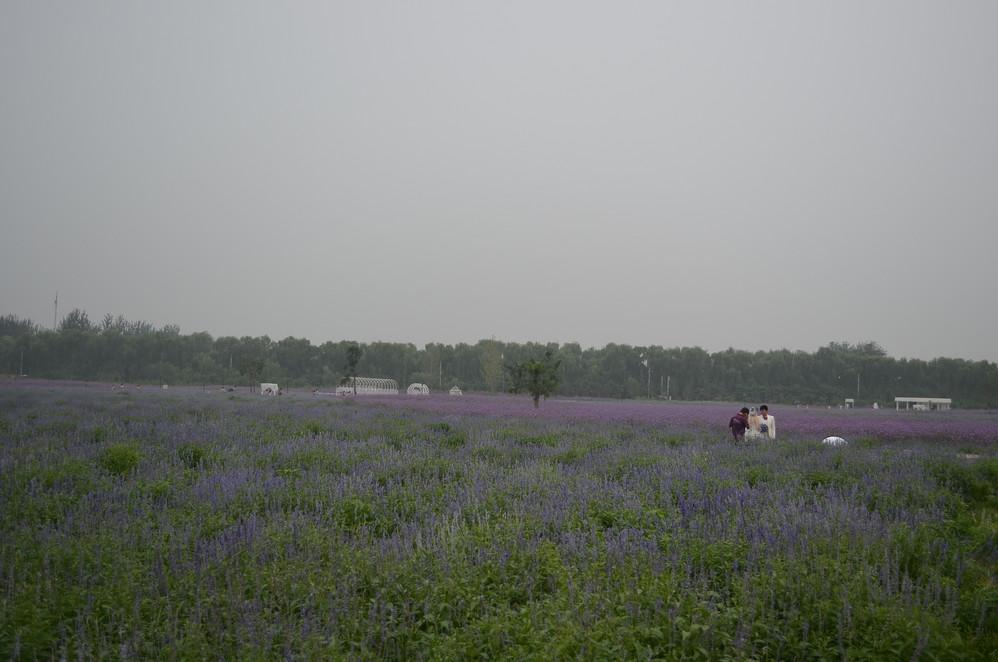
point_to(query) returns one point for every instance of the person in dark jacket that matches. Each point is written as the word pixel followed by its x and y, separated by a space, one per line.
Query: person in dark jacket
pixel 739 423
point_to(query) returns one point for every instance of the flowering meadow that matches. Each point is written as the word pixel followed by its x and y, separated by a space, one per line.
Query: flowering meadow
pixel 197 524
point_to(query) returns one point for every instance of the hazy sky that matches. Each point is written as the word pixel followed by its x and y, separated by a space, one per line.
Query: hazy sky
pixel 747 174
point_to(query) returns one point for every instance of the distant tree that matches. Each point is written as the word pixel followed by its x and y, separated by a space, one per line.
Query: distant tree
pixel 354 352
pixel 13 326
pixel 866 348
pixel 76 320
pixel 139 327
pixel 251 367
pixel 538 377
pixel 126 327
pixel 870 348
pixel 205 366
pixel 989 386
pixel 297 357
pixel 491 362
pixel 572 362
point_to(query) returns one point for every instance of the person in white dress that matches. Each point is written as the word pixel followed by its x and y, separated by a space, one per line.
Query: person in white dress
pixel 752 431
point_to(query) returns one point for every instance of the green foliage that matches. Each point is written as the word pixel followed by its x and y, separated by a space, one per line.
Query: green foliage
pixel 252 367
pixel 607 515
pixel 101 433
pixel 192 454
pixel 440 426
pixel 868 348
pixel 538 377
pixel 76 320
pixel 160 488
pixel 354 353
pixel 57 428
pixel 353 513
pixel 453 440
pixel 491 361
pixel 120 459
pixel 756 476
pixel 315 428
pixel 13 326
pixel 975 480
pixel 550 439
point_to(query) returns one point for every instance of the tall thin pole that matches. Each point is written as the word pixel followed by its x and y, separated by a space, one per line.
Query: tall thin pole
pixel 55 313
pixel 648 368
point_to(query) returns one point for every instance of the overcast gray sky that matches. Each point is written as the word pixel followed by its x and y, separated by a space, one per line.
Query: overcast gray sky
pixel 747 174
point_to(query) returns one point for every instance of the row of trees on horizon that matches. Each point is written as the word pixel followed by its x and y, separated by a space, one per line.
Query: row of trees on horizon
pixel 118 350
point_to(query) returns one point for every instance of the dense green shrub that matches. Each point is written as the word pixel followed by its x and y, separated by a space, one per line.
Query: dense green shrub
pixel 120 459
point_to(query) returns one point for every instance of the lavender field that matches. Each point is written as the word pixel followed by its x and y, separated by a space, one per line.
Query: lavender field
pixel 190 525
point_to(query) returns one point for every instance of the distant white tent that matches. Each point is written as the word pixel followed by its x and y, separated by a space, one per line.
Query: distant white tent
pixel 456 391
pixel 418 389
pixel 268 388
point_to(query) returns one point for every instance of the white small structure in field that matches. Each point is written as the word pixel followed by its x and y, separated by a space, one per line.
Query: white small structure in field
pixel 418 389
pixel 456 391
pixel 833 441
pixel 923 404
pixel 369 386
pixel 268 388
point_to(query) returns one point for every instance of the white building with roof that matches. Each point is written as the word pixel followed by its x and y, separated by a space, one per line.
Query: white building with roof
pixel 923 404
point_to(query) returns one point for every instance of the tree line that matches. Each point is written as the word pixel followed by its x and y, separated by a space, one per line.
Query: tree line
pixel 118 350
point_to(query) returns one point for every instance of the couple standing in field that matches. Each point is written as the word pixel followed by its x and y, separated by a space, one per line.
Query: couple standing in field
pixel 753 424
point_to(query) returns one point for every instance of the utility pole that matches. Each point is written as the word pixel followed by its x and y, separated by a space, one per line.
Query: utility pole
pixel 649 382
pixel 55 313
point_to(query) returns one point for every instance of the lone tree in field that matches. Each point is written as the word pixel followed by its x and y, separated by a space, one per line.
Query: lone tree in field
pixel 354 352
pixel 538 377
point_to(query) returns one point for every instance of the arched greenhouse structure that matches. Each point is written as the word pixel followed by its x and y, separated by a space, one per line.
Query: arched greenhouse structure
pixel 370 386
